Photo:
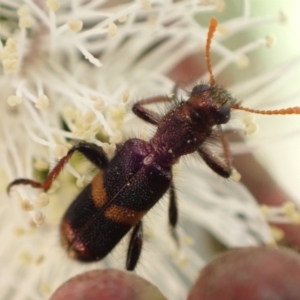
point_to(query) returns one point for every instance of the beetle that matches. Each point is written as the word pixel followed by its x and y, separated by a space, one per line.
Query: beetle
pixel 140 173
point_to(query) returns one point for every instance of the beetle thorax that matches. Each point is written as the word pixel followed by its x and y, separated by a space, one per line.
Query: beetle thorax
pixel 179 133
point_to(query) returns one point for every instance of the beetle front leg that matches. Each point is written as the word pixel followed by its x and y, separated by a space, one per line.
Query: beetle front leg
pixel 215 163
pixel 146 114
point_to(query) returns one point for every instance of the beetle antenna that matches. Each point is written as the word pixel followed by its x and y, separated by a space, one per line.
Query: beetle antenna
pixel 284 111
pixel 212 28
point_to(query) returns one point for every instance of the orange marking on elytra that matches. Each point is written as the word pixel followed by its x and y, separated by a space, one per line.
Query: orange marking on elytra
pixel 99 195
pixel 123 215
pixel 68 237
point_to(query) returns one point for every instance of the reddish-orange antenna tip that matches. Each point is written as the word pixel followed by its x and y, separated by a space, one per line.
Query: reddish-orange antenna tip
pixel 284 111
pixel 213 22
pixel 212 28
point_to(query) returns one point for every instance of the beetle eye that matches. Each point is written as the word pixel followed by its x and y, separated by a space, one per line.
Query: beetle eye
pixel 223 114
pixel 200 88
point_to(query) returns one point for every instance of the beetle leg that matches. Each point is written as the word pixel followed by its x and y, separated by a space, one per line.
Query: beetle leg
pixel 93 153
pixel 173 213
pixel 215 163
pixel 223 168
pixel 135 246
pixel 147 114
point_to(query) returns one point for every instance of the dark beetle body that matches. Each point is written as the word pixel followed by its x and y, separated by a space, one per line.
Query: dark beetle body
pixel 137 177
pixel 115 201
pixel 141 172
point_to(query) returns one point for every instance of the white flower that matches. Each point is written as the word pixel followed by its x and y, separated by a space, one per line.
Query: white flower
pixel 70 71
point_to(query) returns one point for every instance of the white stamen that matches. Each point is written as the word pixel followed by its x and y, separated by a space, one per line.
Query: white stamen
pixel 42 102
pixel 42 200
pixel 14 100
pixel 146 4
pixel 38 218
pixel 53 5
pixel 112 29
pixel 75 25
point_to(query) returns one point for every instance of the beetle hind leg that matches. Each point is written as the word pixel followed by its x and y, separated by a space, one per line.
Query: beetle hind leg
pixel 135 246
pixel 173 213
pixel 92 152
